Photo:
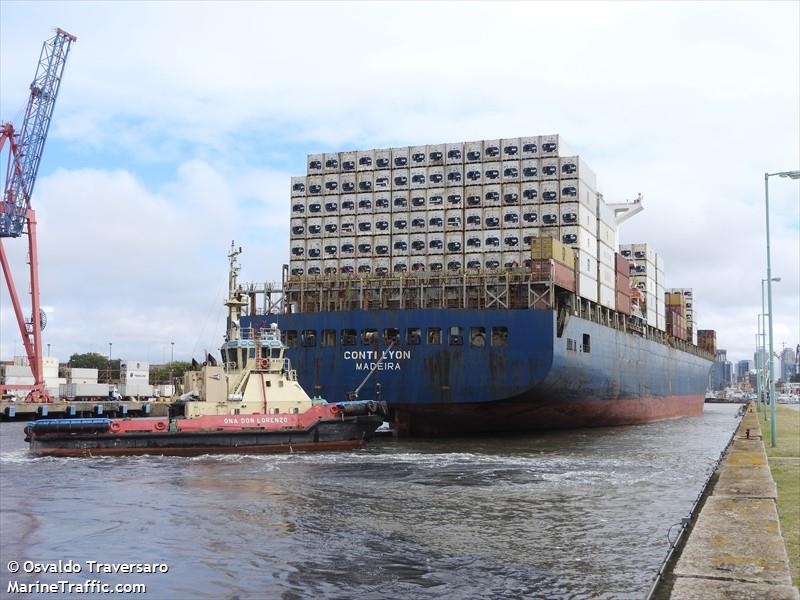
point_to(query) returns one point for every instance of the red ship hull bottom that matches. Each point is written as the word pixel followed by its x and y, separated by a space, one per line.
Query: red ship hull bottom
pixel 539 414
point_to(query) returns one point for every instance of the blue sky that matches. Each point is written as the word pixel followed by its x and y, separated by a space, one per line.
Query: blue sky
pixel 179 124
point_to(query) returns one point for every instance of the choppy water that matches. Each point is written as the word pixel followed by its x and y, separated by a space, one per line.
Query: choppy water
pixel 579 514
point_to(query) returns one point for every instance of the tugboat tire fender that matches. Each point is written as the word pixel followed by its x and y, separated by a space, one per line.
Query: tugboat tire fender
pixel 115 426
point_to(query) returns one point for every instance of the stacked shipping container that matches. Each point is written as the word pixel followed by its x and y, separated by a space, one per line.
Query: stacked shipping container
pixel 676 314
pixel 622 284
pixel 689 314
pixel 647 275
pixel 20 374
pixel 464 206
pixel 707 340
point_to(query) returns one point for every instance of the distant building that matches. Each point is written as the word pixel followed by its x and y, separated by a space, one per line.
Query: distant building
pixel 760 359
pixel 722 372
pixel 788 364
pixel 743 368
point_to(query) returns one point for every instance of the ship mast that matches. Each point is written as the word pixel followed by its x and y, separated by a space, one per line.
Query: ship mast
pixel 236 299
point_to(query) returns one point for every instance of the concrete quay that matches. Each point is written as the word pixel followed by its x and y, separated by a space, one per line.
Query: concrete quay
pixel 735 549
pixel 10 411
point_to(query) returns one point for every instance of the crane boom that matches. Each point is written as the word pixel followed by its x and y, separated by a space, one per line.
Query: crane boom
pixel 22 169
pixel 24 155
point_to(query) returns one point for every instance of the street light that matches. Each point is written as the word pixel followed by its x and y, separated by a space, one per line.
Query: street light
pixel 108 375
pixel 772 393
pixel 764 377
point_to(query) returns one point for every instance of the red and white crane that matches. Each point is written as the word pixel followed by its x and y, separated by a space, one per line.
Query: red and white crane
pixel 25 153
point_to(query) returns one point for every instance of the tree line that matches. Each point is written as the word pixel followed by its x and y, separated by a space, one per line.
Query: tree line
pixel 110 369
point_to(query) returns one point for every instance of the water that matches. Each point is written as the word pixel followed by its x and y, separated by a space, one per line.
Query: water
pixel 578 514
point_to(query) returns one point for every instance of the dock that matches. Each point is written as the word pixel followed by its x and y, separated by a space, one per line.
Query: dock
pixel 735 548
pixel 20 411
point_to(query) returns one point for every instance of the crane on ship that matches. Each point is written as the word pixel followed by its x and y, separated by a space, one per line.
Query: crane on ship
pixel 17 217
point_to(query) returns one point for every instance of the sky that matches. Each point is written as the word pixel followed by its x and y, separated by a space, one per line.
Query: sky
pixel 179 124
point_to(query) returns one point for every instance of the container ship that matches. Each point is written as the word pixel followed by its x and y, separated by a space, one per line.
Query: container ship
pixel 479 287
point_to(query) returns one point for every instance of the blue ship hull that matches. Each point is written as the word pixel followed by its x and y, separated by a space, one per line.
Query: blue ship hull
pixel 531 379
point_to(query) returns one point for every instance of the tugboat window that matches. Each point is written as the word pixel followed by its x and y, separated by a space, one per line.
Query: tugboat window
pixel 291 338
pixel 252 353
pixel 587 342
pixel 477 337
pixel 413 336
pixel 434 336
pixel 499 336
pixel 309 338
pixel 456 336
pixel 348 337
pixel 328 337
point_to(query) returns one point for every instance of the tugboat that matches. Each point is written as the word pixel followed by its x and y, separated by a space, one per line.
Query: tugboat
pixel 251 403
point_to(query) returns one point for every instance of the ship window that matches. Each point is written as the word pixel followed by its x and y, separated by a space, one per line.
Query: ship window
pixel 413 336
pixel 328 337
pixel 572 345
pixel 391 335
pixel 456 336
pixel 499 336
pixel 477 337
pixel 434 335
pixel 291 338
pixel 369 336
pixel 348 337
pixel 309 338
pixel 587 342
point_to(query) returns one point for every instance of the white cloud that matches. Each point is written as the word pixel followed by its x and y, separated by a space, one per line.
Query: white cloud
pixel 686 103
pixel 137 267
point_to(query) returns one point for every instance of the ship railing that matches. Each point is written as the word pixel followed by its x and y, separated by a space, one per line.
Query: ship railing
pixel 520 288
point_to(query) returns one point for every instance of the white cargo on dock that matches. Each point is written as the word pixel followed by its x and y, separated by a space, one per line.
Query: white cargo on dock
pixel 135 389
pixel 84 390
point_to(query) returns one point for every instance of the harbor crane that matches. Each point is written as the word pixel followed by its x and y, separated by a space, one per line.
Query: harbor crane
pixel 16 215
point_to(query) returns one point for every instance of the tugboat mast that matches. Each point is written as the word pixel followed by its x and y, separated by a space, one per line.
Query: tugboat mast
pixel 236 298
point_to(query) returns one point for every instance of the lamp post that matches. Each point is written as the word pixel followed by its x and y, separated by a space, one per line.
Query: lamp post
pixel 108 375
pixel 765 376
pixel 758 368
pixel 772 394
